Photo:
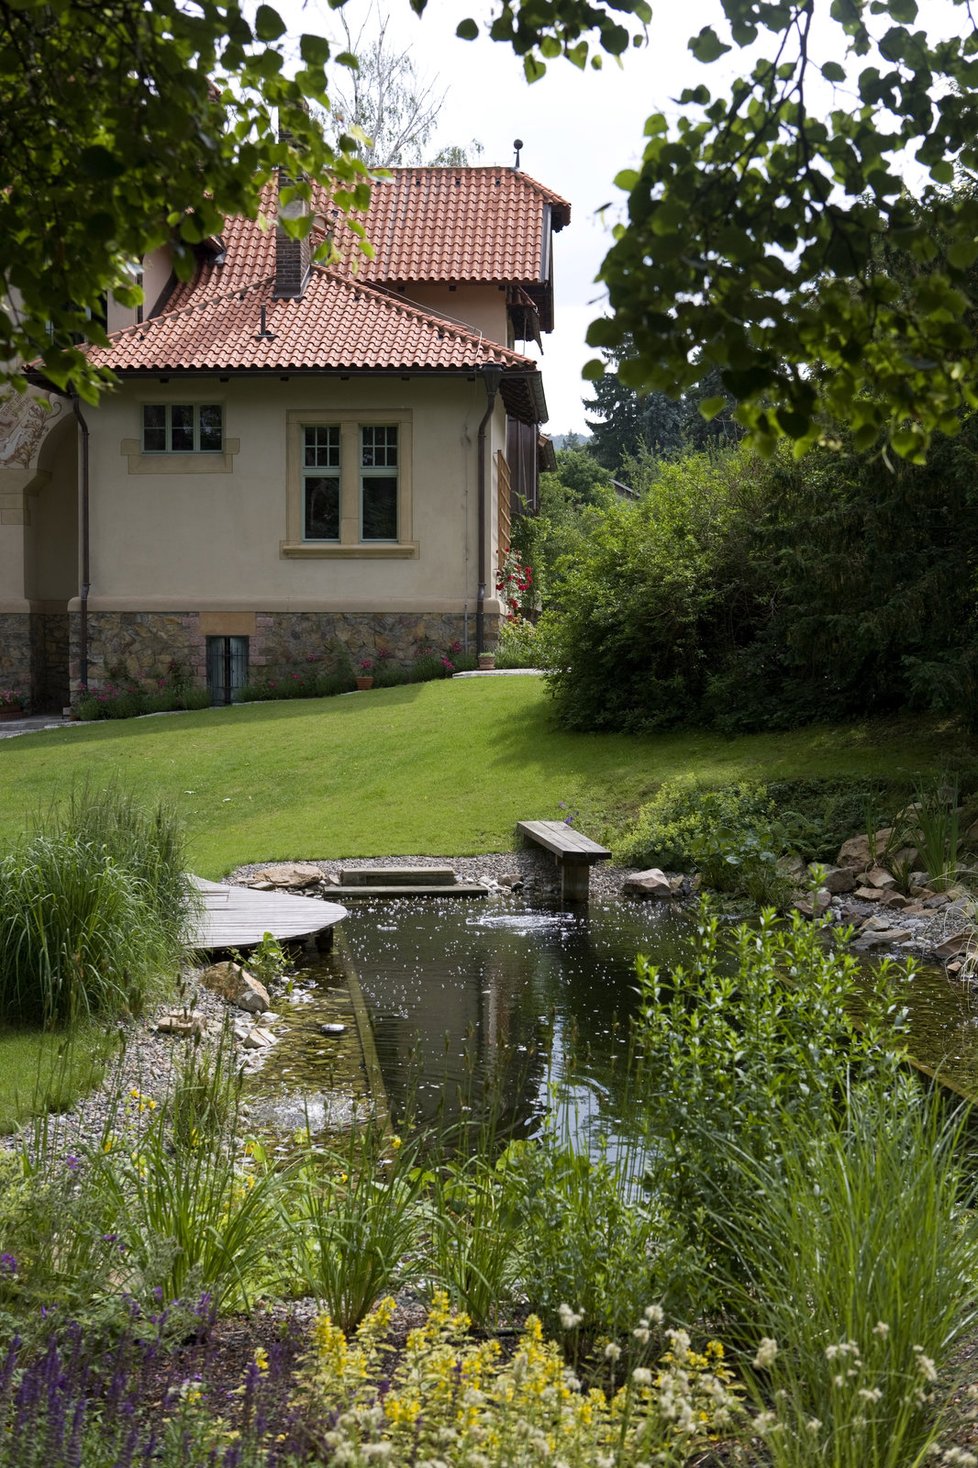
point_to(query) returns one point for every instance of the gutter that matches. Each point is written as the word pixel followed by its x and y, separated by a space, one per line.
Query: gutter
pixel 491 376
pixel 83 518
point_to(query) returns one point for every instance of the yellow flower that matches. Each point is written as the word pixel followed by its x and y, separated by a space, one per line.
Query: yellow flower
pixel 261 1358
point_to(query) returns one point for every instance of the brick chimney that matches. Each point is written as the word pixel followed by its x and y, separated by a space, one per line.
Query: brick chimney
pixel 291 255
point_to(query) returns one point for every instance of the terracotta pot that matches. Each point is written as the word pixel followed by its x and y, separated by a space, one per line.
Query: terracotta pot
pixel 364 682
pixel 487 662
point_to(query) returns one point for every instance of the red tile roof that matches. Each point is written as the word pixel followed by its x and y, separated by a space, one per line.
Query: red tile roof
pixel 336 324
pixel 425 224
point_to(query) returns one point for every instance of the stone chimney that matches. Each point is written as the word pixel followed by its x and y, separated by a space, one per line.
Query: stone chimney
pixel 291 255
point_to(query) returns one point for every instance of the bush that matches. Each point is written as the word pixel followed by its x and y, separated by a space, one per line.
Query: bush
pixel 93 913
pixel 517 645
pixel 755 1032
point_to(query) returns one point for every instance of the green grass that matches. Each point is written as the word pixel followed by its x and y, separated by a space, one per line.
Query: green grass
pixel 41 1072
pixel 443 769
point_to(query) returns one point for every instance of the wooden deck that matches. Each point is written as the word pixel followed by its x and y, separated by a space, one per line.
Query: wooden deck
pixel 238 917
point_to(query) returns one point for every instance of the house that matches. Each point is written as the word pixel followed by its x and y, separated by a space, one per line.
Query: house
pixel 298 456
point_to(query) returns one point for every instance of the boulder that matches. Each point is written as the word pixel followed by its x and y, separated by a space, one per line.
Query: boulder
pixel 838 879
pixel 235 985
pixel 258 1039
pixel 855 852
pixel 881 938
pixel 937 899
pixel 287 874
pixel 954 946
pixel 895 900
pixel 794 869
pixel 651 883
pixel 879 878
pixel 868 894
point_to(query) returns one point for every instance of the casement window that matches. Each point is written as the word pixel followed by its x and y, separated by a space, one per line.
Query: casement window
pixel 378 482
pixel 183 428
pixel 349 484
pixel 321 482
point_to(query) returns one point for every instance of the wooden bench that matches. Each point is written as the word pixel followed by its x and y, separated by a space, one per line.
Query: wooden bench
pixel 574 854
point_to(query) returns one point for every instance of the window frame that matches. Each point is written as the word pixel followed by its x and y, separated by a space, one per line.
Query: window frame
pixel 351 542
pixel 310 472
pixel 168 407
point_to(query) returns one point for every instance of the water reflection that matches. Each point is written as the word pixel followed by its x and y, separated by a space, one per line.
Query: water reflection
pixel 504 1000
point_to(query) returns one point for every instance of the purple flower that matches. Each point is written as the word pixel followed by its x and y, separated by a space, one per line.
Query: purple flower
pixel 8 1264
pixel 72 1163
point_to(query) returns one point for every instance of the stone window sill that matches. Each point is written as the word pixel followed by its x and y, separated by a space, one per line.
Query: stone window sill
pixel 361 550
pixel 209 463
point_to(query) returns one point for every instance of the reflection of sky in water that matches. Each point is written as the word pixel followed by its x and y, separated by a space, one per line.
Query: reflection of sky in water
pixel 530 1007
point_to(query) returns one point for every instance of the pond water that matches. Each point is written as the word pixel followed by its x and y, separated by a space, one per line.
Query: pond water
pixel 445 1002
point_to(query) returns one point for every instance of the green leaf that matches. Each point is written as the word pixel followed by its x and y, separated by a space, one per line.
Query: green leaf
pixel 593 370
pixel 833 72
pixel 269 25
pixel 533 68
pixel 707 46
pixel 467 30
pixel 314 50
pixel 98 162
pixel 710 407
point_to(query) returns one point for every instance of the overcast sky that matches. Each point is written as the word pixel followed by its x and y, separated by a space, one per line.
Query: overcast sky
pixel 578 130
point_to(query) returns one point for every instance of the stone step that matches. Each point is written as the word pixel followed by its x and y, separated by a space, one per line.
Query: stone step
pixel 457 889
pixel 397 877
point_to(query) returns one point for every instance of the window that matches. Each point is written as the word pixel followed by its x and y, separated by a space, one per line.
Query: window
pixel 349 483
pixel 183 428
pixel 321 482
pixel 378 482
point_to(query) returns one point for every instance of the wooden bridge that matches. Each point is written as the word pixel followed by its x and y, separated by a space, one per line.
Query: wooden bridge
pixel 238 917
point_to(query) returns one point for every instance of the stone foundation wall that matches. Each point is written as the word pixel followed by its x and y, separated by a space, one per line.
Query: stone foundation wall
pixel 286 640
pixel 140 645
pixel 15 652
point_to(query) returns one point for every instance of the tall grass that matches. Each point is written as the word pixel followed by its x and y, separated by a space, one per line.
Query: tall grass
pixel 859 1260
pixel 93 910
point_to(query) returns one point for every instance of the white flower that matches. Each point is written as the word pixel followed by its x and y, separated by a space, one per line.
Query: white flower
pixel 814 1425
pixel 766 1353
pixel 653 1315
pixel 612 1351
pixel 641 1334
pixel 870 1393
pixel 568 1319
pixel 881 1329
pixel 925 1365
pixel 642 1376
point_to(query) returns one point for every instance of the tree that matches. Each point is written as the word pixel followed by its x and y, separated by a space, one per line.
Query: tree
pixel 632 424
pixel 750 240
pixel 749 243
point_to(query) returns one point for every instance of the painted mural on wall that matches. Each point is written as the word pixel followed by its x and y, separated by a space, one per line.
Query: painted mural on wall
pixel 25 421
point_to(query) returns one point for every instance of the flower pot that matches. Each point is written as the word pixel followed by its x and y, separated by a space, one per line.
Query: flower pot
pixel 487 662
pixel 364 681
pixel 12 711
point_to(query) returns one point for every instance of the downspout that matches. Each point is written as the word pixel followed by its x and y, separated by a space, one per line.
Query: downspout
pixel 491 376
pixel 83 515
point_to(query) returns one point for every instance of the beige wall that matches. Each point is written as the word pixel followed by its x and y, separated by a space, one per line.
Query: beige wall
pixel 482 308
pixel 52 535
pixel 213 540
pixel 156 273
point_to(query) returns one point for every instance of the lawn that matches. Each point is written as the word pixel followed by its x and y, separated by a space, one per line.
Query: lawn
pixel 443 769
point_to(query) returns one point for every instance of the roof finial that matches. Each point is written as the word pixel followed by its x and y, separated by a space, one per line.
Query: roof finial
pixel 517 144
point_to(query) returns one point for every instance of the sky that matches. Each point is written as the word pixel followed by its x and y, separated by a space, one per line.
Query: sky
pixel 578 130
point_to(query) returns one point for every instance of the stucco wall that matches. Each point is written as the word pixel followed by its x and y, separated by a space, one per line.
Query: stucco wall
pixel 214 539
pixel 482 308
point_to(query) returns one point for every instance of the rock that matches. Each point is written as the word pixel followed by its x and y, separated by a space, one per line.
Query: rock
pixel 813 908
pixel 331 879
pixel 181 1022
pixel 651 883
pixel 937 899
pixel 258 1039
pixel 957 893
pixel 837 879
pixel 876 924
pixel 235 985
pixel 794 869
pixel 855 852
pixel 868 894
pixel 880 878
pixel 288 874
pixel 954 946
pixel 512 880
pixel 332 1029
pixel 904 859
pixel 955 967
pixel 881 938
pixel 895 900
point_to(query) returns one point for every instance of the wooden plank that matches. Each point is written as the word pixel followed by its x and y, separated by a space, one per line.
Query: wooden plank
pixel 237 917
pixel 563 840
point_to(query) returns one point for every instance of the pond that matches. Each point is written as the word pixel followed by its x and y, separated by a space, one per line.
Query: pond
pixel 445 1003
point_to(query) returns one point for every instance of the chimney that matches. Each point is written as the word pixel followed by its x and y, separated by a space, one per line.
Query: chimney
pixel 291 255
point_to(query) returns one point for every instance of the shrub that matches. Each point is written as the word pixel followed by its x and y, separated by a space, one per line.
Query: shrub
pixel 517 646
pixel 756 1030
pixel 92 915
